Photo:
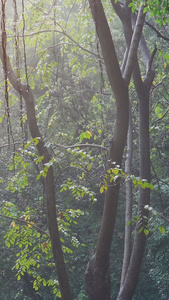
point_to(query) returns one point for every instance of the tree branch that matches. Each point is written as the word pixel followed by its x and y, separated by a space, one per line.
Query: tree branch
pixel 159 34
pixel 143 46
pixel 81 146
pixel 108 49
pixel 132 55
pixel 159 119
pixel 10 145
pixel 26 223
pixel 163 217
pixel 61 32
pixel 151 58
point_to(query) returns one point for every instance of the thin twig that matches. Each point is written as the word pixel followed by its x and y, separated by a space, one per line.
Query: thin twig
pixel 159 34
pixel 81 146
pixel 163 217
pixel 27 223
pixel 61 32
pixel 66 169
pixel 159 119
pixel 10 145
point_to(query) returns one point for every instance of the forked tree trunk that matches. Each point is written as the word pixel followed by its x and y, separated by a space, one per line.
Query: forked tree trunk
pixel 97 272
pixel 130 278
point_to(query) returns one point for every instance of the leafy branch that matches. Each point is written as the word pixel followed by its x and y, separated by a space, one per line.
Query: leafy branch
pixel 61 32
pixel 27 223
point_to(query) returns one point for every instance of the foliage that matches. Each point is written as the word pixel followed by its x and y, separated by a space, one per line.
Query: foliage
pixel 34 253
pixel 157 8
pixel 62 63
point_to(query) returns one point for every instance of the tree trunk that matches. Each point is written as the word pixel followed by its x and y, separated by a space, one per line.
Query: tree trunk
pixel 97 272
pixel 26 93
pixel 129 197
pixel 129 282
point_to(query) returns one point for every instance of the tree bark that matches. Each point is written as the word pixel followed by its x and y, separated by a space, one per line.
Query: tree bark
pixel 129 281
pixel 97 273
pixel 26 92
pixel 129 202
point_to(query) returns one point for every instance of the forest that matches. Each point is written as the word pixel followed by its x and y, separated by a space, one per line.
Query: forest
pixel 84 165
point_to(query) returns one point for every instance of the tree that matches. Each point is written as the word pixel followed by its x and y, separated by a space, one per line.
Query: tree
pixel 26 92
pixel 97 274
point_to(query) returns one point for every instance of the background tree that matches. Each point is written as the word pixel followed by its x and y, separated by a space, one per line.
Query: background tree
pixel 60 65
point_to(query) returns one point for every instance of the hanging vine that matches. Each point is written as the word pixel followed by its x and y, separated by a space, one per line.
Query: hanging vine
pixel 18 69
pixel 4 43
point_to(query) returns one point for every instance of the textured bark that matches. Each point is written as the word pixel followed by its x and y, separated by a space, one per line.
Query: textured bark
pixel 129 198
pixel 108 49
pixel 130 278
pixel 27 94
pixel 135 39
pixel 130 282
pixel 97 280
pixel 97 272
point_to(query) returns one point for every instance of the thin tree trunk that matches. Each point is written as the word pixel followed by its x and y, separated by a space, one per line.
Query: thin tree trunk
pixel 27 94
pixel 129 202
pixel 130 282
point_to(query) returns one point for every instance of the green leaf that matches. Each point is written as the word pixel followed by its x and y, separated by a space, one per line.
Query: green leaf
pixel 133 9
pixel 39 159
pixel 161 229
pixel 85 135
pixel 146 231
pixel 44 282
pixel 129 222
pixel 19 277
pixel 145 9
pixel 8 244
pixel 166 56
pixel 115 171
pixel 141 229
pixel 151 186
pixel 1 180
